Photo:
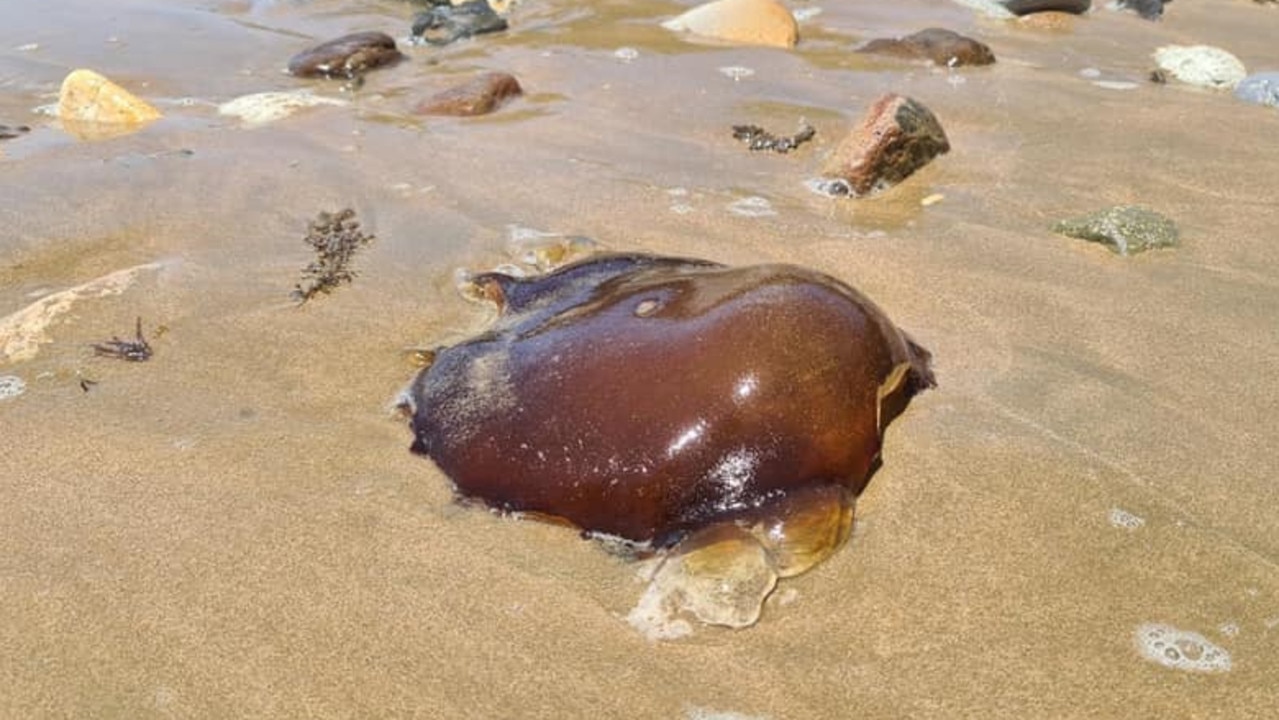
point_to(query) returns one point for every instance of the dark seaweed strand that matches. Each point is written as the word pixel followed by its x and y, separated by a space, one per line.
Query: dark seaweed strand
pixel 135 350
pixel 757 138
pixel 334 237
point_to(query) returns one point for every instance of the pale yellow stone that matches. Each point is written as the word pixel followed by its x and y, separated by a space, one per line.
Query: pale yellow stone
pixel 751 22
pixel 88 99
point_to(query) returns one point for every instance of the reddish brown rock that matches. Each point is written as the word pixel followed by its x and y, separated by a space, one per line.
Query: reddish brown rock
pixel 897 137
pixel 943 47
pixel 480 96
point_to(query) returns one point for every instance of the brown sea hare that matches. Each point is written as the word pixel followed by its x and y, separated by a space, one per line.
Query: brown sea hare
pixel 673 402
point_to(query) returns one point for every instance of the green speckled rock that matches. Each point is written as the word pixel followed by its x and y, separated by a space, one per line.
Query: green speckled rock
pixel 1125 229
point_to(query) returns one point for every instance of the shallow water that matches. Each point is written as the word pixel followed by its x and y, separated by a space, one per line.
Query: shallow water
pixel 237 528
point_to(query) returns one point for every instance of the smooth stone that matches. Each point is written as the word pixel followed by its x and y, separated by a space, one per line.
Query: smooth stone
pixel 1148 9
pixel 261 108
pixel 445 23
pixel 943 47
pixel 88 100
pixel 479 96
pixel 1026 7
pixel 346 57
pixel 1201 65
pixel 1260 89
pixel 750 22
pixel 1125 229
pixel 897 136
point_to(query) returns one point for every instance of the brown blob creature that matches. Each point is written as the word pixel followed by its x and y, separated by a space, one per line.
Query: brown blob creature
pixel 647 398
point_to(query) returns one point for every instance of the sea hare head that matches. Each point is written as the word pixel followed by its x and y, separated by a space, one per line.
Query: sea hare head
pixel 646 397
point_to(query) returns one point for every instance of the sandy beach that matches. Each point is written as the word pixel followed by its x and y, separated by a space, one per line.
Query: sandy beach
pixel 236 528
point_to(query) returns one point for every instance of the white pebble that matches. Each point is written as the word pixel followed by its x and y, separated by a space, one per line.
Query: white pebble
pixel 1201 65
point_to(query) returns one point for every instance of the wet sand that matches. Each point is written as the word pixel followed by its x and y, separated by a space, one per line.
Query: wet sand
pixel 237 528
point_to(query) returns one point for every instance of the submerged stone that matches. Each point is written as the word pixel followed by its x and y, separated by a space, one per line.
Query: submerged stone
pixel 479 96
pixel 265 107
pixel 943 47
pixel 1125 229
pixel 346 57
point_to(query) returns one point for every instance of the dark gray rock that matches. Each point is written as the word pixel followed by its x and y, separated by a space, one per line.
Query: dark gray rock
pixel 445 23
pixel 1125 229
pixel 1026 7
pixel 1149 9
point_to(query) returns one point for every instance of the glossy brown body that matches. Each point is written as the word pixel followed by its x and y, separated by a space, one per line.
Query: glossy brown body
pixel 644 397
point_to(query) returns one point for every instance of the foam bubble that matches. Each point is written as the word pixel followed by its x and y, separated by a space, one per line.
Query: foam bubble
pixel 1180 649
pixel 11 386
pixel 1125 520
pixel 752 207
pixel 736 72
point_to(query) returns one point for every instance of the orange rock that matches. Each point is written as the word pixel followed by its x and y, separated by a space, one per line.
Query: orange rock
pixel 751 22
pixel 1052 20
pixel 88 99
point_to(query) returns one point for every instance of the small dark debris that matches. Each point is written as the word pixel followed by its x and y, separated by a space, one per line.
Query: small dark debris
pixel 335 237
pixel 135 350
pixel 757 138
pixel 1159 77
pixel 9 132
pixel 86 384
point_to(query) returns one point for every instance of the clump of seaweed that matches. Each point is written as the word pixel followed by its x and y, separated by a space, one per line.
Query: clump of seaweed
pixel 335 237
pixel 135 350
pixel 757 138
